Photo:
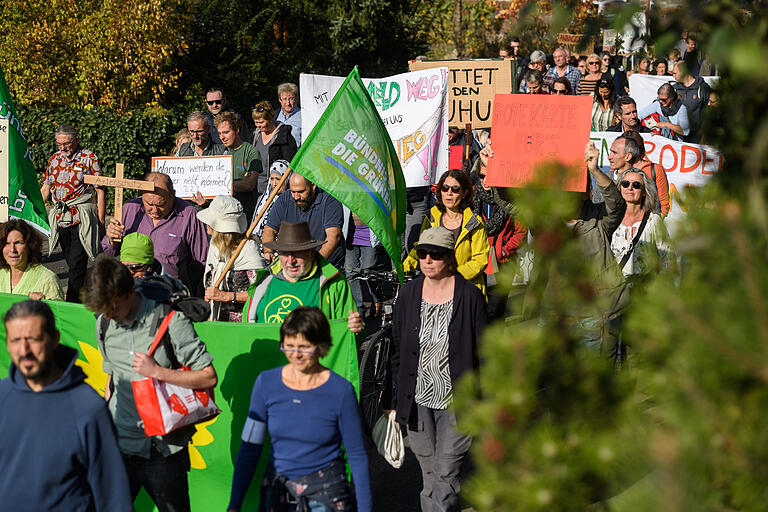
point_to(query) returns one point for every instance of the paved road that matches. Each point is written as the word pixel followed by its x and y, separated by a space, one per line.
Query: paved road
pixel 393 489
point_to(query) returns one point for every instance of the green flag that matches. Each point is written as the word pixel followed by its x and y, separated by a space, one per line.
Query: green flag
pixel 349 154
pixel 240 353
pixel 24 199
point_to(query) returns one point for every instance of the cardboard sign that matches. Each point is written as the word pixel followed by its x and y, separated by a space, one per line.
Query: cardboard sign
pixel 530 130
pixel 209 175
pixel 472 85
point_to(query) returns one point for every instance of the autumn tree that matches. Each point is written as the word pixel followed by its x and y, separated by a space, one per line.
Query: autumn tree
pixel 116 53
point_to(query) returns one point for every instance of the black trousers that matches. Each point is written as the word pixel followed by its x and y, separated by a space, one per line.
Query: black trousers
pixel 164 478
pixel 77 261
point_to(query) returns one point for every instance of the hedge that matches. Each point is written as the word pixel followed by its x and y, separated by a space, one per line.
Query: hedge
pixel 132 137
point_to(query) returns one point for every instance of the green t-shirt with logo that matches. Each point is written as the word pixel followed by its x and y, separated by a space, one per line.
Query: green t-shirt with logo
pixel 282 297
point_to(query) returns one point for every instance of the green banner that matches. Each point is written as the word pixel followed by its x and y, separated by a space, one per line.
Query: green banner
pixel 24 199
pixel 240 353
pixel 349 154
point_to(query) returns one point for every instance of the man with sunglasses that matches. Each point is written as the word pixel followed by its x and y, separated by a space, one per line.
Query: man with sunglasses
pixel 216 102
pixel 202 144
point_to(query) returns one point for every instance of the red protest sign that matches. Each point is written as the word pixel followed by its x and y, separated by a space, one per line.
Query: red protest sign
pixel 529 130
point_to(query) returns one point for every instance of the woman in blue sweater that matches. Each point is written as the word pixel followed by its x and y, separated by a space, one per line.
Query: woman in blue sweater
pixel 309 412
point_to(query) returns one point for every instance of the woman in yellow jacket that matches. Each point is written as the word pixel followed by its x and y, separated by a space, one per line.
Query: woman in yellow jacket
pixel 453 211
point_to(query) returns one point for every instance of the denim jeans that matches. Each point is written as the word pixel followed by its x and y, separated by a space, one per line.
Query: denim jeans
pixel 164 479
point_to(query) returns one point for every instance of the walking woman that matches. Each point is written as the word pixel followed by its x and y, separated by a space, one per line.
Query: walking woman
pixel 309 412
pixel 453 211
pixel 438 320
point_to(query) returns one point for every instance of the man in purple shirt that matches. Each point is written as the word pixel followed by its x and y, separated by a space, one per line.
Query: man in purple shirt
pixel 180 239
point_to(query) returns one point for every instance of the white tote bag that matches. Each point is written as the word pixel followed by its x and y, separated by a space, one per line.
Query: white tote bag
pixel 389 439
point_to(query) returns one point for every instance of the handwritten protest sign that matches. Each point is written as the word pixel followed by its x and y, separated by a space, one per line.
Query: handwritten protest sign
pixel 413 107
pixel 472 87
pixel 209 175
pixel 530 130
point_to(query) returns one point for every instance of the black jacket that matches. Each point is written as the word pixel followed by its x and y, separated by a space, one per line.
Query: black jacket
pixel 468 320
pixel 283 145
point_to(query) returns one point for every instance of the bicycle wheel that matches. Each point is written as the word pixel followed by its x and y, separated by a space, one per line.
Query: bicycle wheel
pixel 374 367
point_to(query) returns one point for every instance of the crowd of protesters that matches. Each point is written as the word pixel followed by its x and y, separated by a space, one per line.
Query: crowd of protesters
pixel 310 248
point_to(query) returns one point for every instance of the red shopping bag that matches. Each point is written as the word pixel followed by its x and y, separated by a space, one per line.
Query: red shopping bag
pixel 165 407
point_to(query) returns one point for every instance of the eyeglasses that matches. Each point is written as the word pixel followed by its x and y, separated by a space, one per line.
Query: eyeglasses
pixel 635 184
pixel 136 267
pixel 259 109
pixel 215 102
pixel 64 144
pixel 297 350
pixel 196 132
pixel 594 63
pixel 559 91
pixel 481 176
pixel 455 188
pixel 435 255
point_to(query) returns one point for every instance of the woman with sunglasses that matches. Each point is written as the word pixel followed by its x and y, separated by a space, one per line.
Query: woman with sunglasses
pixel 273 140
pixel 309 412
pixel 641 232
pixel 438 321
pixel 453 211
pixel 561 86
pixel 589 80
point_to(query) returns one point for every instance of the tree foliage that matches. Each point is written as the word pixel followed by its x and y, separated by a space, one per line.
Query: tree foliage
pixel 116 53
pixel 249 48
pixel 681 426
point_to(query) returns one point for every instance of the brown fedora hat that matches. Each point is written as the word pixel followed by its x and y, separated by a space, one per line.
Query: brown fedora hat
pixel 293 237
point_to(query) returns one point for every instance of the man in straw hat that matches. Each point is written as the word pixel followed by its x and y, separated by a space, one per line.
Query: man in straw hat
pixel 300 276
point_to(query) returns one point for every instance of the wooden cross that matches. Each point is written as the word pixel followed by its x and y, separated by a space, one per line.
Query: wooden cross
pixel 119 183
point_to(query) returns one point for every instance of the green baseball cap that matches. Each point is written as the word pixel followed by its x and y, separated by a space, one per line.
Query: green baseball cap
pixel 137 248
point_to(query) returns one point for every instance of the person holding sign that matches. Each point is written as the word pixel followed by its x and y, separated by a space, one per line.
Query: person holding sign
pixel 180 240
pixel 594 227
pixel 453 211
pixel 202 144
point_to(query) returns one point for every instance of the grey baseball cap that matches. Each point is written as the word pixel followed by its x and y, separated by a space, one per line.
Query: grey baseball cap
pixel 437 238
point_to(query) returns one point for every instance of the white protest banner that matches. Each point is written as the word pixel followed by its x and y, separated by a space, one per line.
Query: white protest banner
pixel 687 165
pixel 644 88
pixel 413 107
pixel 209 175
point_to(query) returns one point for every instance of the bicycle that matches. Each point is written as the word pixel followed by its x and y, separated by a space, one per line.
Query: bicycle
pixel 375 372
